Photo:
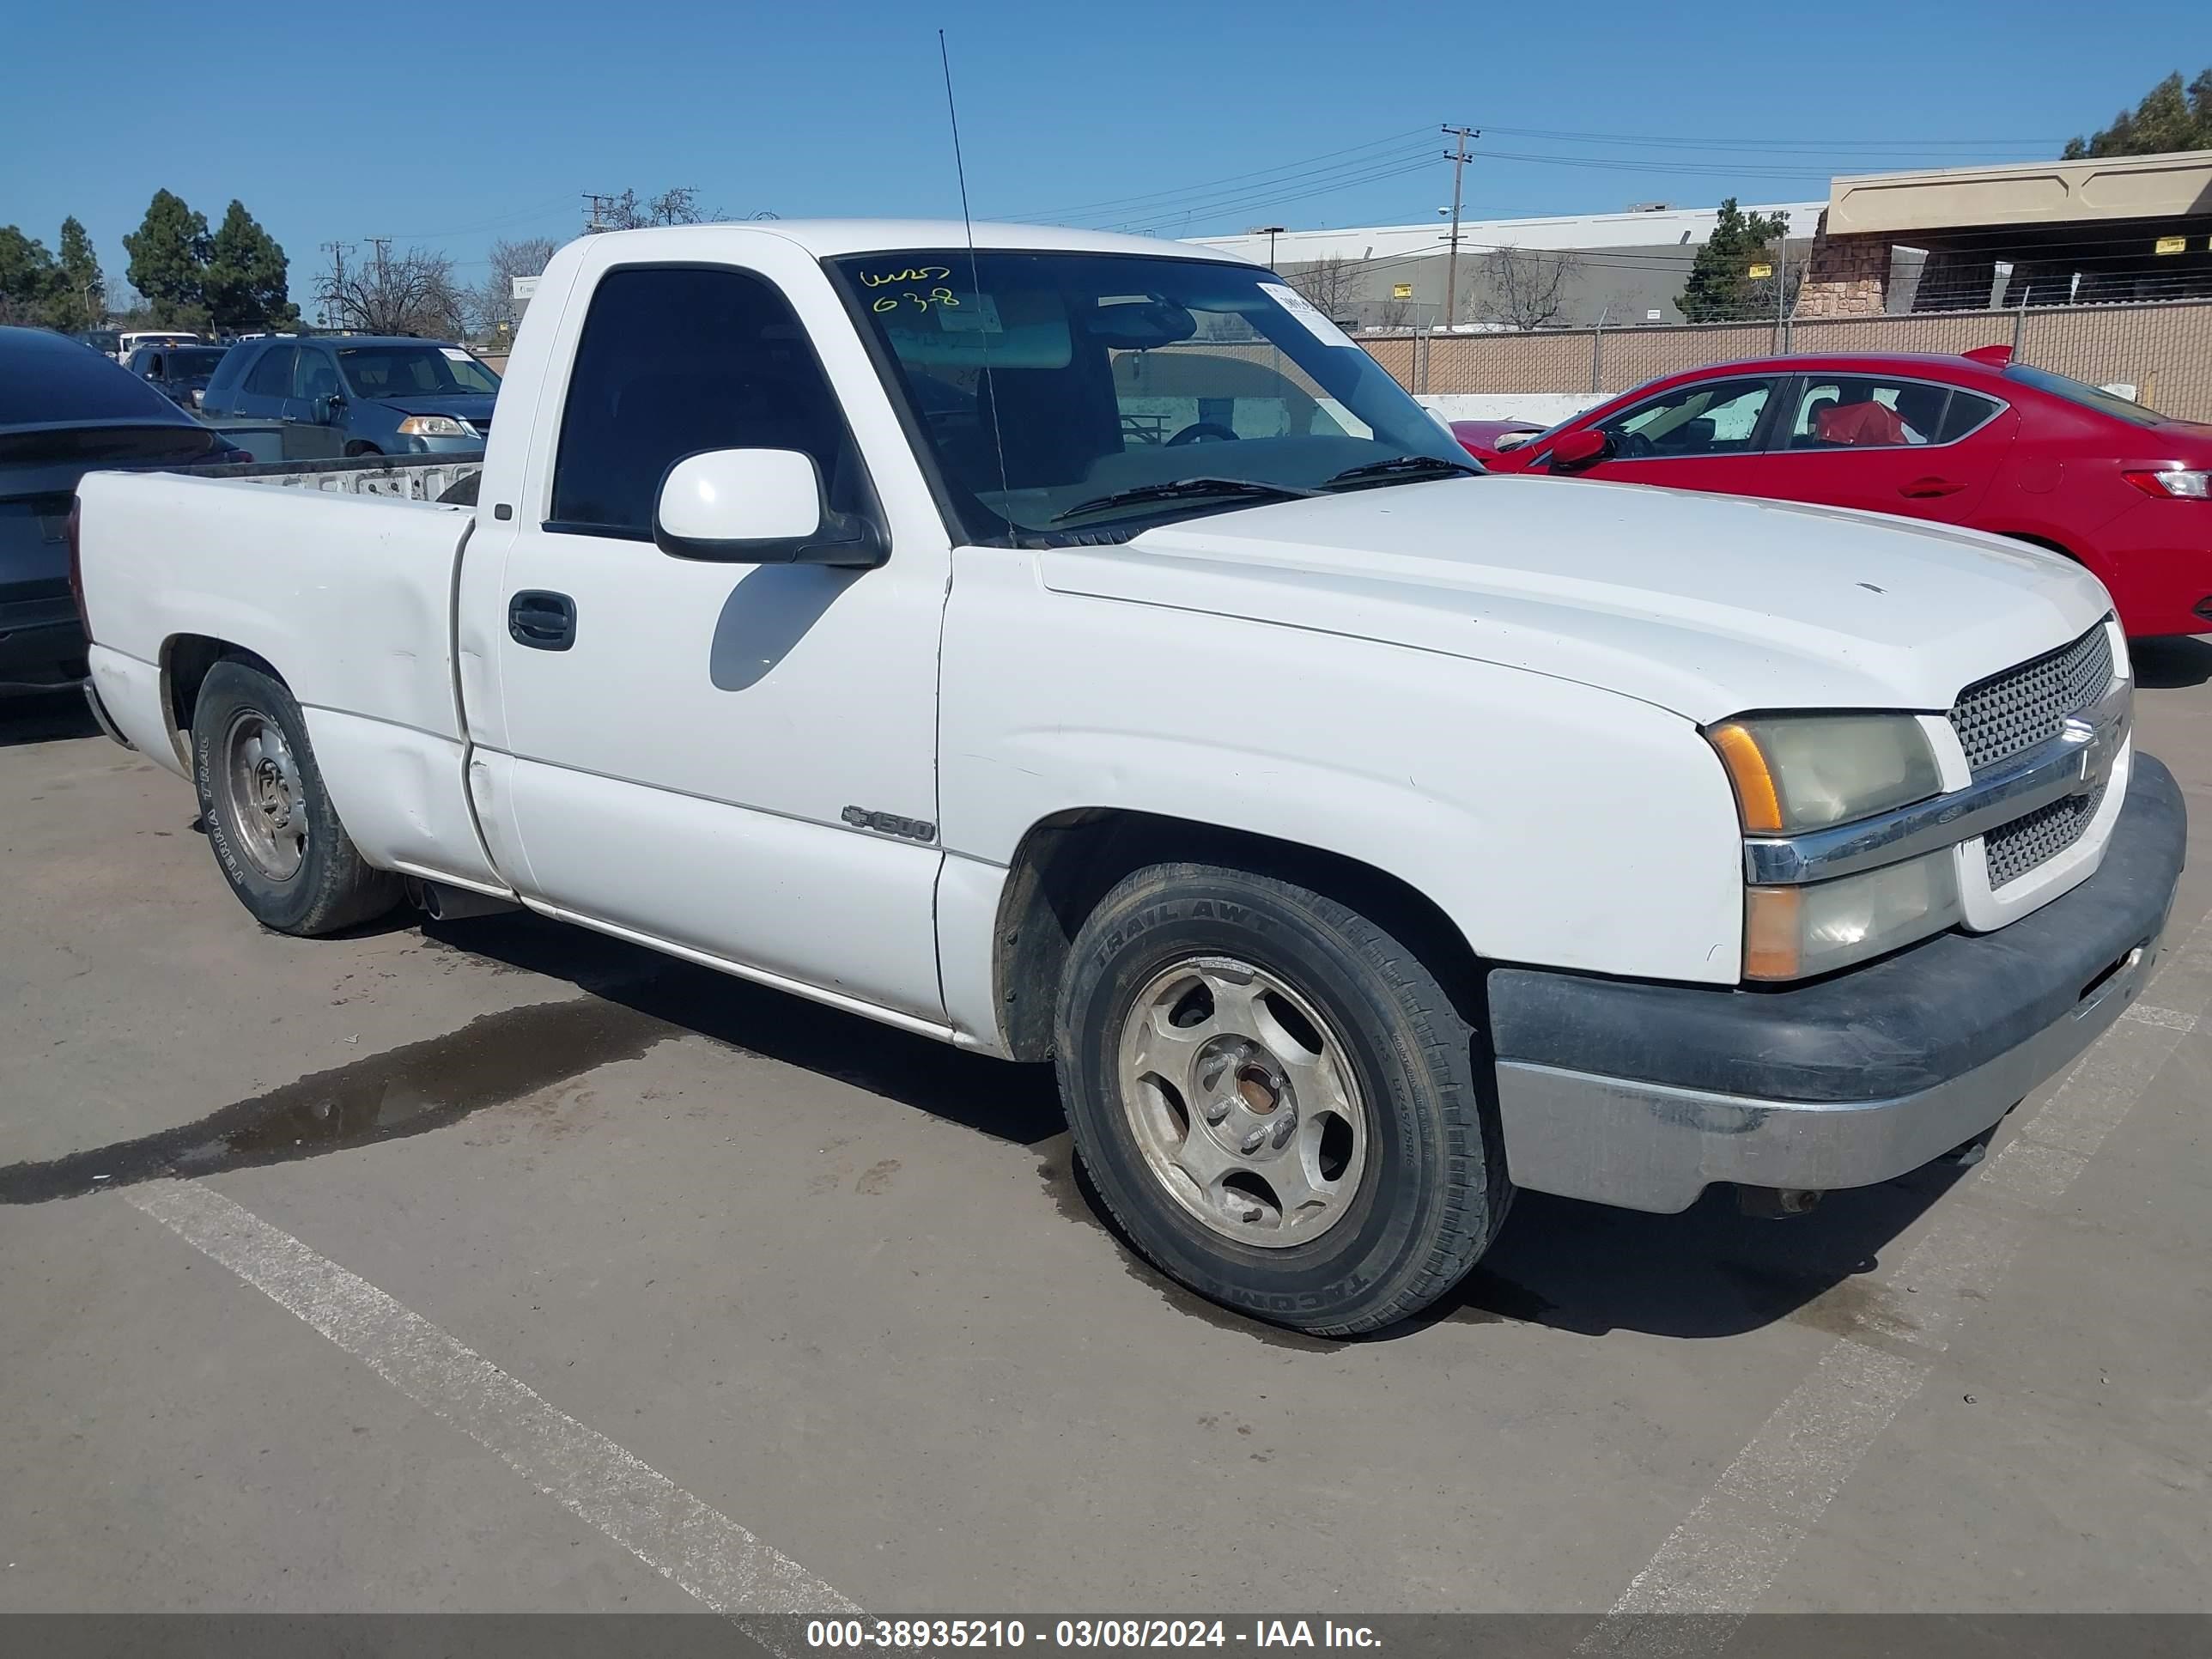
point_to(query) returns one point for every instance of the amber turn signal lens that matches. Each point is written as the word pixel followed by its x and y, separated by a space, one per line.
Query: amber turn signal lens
pixel 1755 794
pixel 1773 934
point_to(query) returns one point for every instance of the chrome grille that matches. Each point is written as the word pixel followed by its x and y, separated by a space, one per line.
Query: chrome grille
pixel 2008 713
pixel 2017 848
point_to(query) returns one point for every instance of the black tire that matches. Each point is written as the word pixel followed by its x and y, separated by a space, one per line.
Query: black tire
pixel 1433 1189
pixel 333 887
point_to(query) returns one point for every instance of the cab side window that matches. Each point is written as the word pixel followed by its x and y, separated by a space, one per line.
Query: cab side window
pixel 1713 418
pixel 740 374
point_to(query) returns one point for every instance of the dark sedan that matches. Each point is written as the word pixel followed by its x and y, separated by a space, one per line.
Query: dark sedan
pixel 179 373
pixel 65 412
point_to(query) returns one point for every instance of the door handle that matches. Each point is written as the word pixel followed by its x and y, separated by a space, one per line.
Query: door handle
pixel 1921 489
pixel 542 621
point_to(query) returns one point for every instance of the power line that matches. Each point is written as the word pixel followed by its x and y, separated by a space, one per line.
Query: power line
pixel 1234 178
pixel 535 210
pixel 1769 144
pixel 1320 183
pixel 1720 169
pixel 1246 204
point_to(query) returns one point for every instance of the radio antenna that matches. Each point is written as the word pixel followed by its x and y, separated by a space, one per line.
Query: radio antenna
pixel 976 284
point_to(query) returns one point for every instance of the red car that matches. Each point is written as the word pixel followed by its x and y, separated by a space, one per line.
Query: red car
pixel 1978 442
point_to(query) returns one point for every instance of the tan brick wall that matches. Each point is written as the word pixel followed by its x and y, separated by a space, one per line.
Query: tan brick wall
pixel 1846 276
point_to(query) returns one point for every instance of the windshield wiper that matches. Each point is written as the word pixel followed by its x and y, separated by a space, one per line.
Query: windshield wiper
pixel 1405 465
pixel 1175 490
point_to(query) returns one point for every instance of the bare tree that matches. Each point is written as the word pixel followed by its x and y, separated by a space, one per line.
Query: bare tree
pixel 1524 290
pixel 410 293
pixel 494 308
pixel 627 211
pixel 1331 286
pixel 1393 314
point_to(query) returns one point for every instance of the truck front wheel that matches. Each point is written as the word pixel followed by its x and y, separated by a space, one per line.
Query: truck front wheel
pixel 276 836
pixel 1276 1099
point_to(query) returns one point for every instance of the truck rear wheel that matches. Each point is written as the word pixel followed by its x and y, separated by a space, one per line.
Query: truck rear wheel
pixel 1276 1099
pixel 276 839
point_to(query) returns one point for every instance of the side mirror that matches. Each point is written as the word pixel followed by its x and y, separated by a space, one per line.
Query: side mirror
pixel 756 507
pixel 1575 450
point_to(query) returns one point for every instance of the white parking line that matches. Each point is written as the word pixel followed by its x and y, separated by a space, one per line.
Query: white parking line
pixel 1729 1549
pixel 683 1539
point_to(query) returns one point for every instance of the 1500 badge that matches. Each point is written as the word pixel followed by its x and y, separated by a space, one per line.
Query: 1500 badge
pixel 890 824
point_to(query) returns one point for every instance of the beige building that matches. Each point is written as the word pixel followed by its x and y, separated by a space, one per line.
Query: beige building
pixel 2119 228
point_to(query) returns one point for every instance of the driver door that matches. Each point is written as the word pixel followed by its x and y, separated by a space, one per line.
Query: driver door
pixel 736 760
pixel 317 425
pixel 1709 434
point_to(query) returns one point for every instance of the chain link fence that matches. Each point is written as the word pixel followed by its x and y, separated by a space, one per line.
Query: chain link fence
pixel 2163 350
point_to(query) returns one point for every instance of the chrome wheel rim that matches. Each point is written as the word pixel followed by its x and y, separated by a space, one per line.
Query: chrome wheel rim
pixel 1242 1099
pixel 263 797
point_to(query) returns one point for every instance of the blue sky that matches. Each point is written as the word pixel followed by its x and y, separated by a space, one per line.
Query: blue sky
pixel 1124 114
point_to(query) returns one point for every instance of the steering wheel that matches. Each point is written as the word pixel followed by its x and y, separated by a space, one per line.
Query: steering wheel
pixel 1635 446
pixel 1203 432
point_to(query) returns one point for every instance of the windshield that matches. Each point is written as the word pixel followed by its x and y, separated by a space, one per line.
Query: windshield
pixel 2089 397
pixel 1045 383
pixel 416 371
pixel 185 362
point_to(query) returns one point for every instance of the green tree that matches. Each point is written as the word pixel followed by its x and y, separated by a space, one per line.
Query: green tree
pixel 2168 118
pixel 1721 288
pixel 83 302
pixel 245 282
pixel 28 277
pixel 168 260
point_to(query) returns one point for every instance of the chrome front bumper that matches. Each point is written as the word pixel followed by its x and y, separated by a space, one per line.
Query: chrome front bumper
pixel 1642 1096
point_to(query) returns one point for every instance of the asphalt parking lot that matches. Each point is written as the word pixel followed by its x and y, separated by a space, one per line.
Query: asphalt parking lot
pixel 491 1265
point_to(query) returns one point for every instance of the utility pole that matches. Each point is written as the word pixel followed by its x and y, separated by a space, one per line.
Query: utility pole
pixel 334 288
pixel 1271 231
pixel 1458 157
pixel 597 207
pixel 1782 286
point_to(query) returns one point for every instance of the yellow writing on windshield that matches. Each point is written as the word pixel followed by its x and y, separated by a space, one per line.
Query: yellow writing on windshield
pixel 911 274
pixel 936 296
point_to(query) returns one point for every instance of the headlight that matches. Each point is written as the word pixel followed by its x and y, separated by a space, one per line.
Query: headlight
pixel 432 426
pixel 1793 932
pixel 1798 772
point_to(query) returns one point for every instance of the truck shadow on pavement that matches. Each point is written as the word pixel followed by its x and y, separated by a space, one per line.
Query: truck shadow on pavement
pixel 45 717
pixel 1571 1266
pixel 2171 664
pixel 1583 1268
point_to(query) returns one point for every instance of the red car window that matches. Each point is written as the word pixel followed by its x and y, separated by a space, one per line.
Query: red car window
pixel 1858 423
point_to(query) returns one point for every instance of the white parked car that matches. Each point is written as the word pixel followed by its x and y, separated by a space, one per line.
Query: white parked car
pixel 1073 647
pixel 128 344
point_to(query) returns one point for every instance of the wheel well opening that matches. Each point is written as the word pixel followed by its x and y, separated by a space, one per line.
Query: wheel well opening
pixel 1069 862
pixel 2044 543
pixel 186 660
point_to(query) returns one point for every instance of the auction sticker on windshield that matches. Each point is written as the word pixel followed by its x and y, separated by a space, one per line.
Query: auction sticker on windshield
pixel 455 352
pixel 1316 322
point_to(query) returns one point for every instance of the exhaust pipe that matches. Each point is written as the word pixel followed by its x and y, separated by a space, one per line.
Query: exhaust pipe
pixel 1776 1203
pixel 441 902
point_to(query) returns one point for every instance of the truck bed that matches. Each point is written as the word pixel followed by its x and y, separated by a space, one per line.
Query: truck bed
pixel 335 579
pixel 414 479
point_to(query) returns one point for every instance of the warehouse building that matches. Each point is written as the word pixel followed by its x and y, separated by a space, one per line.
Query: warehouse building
pixel 1620 269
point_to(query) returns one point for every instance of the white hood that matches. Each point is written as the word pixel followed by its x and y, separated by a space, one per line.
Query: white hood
pixel 1708 605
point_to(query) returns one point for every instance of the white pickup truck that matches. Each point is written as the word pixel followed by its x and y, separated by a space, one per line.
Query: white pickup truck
pixel 1072 645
